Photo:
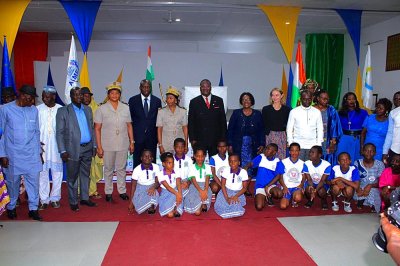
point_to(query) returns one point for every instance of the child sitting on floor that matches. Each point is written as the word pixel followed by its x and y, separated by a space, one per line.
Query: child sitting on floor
pixel 171 194
pixel 218 163
pixel 268 174
pixel 292 180
pixel 230 200
pixel 144 194
pixel 389 182
pixel 344 180
pixel 316 172
pixel 370 170
pixel 199 196
pixel 181 165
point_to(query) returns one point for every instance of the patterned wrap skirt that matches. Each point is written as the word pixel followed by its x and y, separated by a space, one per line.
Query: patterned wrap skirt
pixel 193 201
pixel 279 138
pixel 373 198
pixel 142 201
pixel 226 210
pixel 167 202
pixel 4 197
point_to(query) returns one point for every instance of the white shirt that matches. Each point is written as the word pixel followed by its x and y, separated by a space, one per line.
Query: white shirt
pixel 305 127
pixel 351 175
pixel 316 172
pixel 148 100
pixel 392 139
pixel 171 179
pixel 144 176
pixel 181 166
pixel 219 164
pixel 293 172
pixel 194 172
pixel 234 180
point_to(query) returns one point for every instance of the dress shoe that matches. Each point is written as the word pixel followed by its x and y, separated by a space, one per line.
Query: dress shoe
pixel 96 195
pixel 35 215
pixel 88 203
pixel 55 204
pixel 12 214
pixel 43 206
pixel 108 197
pixel 123 196
pixel 74 207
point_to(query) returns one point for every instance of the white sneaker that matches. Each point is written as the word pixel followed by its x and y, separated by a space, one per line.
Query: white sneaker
pixel 347 207
pixel 335 206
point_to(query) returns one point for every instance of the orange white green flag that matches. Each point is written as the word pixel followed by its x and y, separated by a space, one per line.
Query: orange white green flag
pixel 299 77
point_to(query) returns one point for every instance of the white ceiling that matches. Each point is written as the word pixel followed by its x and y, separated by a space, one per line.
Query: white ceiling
pixel 202 20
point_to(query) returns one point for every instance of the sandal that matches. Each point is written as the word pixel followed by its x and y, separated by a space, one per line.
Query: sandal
pixel 204 208
pixel 96 195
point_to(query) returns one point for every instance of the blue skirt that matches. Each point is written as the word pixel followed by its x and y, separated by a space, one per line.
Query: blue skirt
pixel 193 201
pixel 226 210
pixel 142 201
pixel 167 203
pixel 351 145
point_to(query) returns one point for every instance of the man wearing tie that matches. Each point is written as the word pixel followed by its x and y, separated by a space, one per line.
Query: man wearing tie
pixel 144 108
pixel 207 119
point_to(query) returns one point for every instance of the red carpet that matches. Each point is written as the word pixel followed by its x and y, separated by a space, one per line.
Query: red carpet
pixel 204 242
pixel 118 211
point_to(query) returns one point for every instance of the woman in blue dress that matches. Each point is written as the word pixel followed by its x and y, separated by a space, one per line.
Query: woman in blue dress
pixel 332 126
pixel 246 135
pixel 376 126
pixel 351 118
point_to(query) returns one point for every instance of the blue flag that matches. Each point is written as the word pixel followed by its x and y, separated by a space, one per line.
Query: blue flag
pixel 50 82
pixel 352 20
pixel 7 79
pixel 221 79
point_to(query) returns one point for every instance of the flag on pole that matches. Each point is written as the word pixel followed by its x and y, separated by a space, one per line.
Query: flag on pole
pixel 72 71
pixel 290 86
pixel 367 81
pixel 149 70
pixel 299 77
pixel 7 78
pixel 50 82
pixel 221 79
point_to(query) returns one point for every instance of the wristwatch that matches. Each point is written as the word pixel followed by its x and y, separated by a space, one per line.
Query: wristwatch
pixel 159 144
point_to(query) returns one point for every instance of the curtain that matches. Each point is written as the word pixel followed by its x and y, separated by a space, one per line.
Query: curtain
pixel 324 61
pixel 28 47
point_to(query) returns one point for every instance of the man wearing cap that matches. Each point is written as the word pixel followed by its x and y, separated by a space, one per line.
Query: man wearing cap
pixel 7 95
pixel 76 144
pixel 96 168
pixel 207 119
pixel 144 108
pixel 171 122
pixel 114 136
pixel 20 149
pixel 51 157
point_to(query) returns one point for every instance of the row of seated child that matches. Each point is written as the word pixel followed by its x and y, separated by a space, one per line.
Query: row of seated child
pixel 187 186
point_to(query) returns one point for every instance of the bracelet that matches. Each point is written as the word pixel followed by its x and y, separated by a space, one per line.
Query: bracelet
pixel 159 144
pixel 132 141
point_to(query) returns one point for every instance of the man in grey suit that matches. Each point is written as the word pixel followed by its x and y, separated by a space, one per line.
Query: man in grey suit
pixel 76 143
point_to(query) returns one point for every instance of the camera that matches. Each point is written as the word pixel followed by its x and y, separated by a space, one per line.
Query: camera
pixel 393 215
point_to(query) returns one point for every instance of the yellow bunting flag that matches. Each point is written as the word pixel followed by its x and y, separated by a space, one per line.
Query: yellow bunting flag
pixel 284 86
pixel 84 80
pixel 284 22
pixel 358 89
pixel 11 13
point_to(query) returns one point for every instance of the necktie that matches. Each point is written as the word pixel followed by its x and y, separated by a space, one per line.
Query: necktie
pixel 207 103
pixel 146 107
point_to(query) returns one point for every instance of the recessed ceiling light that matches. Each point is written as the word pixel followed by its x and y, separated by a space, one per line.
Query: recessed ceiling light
pixel 178 20
pixel 287 22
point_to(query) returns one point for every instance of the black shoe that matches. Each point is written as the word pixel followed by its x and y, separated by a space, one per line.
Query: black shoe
pixel 43 206
pixel 308 204
pixel 88 203
pixel 204 208
pixel 74 207
pixel 270 202
pixel 12 214
pixel 55 204
pixel 108 197
pixel 248 194
pixel 360 204
pixel 123 196
pixel 35 215
pixel 324 205
pixel 18 202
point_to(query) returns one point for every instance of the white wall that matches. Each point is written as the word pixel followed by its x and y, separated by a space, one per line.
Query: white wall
pixel 385 83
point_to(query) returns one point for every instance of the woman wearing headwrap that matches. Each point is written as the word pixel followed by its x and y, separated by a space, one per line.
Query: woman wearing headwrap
pixel 171 123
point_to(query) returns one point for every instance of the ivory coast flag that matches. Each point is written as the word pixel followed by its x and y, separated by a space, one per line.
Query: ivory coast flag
pixel 367 87
pixel 299 77
pixel 149 70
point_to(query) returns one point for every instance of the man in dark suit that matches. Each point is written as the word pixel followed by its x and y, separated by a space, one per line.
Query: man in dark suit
pixel 76 143
pixel 207 119
pixel 144 108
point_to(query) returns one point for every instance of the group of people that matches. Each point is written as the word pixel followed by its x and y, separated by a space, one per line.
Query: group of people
pixel 309 151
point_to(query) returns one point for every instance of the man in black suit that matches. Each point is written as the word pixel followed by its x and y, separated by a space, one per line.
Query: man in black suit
pixel 144 108
pixel 76 144
pixel 207 119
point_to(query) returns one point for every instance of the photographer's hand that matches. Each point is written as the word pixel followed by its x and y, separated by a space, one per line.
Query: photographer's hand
pixel 393 238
